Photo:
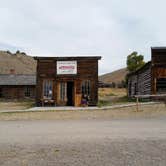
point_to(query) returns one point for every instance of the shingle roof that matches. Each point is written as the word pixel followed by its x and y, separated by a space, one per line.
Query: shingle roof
pixel 8 79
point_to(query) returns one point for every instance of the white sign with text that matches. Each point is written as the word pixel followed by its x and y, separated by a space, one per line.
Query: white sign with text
pixel 66 67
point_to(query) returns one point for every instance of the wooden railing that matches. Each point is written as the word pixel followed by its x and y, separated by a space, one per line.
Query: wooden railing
pixel 158 97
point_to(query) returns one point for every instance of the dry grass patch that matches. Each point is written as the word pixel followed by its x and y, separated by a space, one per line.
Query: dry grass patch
pixel 15 105
pixel 104 92
pixel 127 112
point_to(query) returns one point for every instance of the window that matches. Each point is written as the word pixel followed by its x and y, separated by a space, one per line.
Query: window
pixel 47 89
pixel 62 91
pixel 27 92
pixel 86 88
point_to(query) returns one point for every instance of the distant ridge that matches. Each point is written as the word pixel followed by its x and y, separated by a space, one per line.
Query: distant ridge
pixel 116 76
pixel 19 63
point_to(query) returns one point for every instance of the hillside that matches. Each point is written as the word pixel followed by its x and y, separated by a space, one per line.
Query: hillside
pixel 116 76
pixel 19 63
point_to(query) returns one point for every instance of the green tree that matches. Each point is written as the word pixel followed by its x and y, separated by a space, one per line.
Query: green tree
pixel 134 61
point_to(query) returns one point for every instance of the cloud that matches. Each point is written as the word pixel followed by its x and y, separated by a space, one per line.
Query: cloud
pixel 112 29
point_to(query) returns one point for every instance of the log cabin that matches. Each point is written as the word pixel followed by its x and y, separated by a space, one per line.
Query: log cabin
pixel 17 86
pixel 151 78
pixel 63 81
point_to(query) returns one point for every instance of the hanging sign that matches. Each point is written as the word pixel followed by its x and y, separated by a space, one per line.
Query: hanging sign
pixel 66 67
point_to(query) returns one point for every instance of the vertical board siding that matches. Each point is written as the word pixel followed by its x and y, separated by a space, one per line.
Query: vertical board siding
pixel 87 69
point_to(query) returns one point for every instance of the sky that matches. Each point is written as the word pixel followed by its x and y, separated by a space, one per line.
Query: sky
pixel 109 28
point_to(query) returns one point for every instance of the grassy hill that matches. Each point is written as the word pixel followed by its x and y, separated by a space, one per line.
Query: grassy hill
pixel 20 63
pixel 116 76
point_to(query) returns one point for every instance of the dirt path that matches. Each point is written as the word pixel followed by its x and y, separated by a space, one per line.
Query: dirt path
pixel 83 142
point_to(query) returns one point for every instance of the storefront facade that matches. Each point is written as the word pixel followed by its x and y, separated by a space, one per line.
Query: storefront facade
pixel 63 81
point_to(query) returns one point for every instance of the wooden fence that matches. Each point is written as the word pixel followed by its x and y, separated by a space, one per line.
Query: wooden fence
pixel 157 97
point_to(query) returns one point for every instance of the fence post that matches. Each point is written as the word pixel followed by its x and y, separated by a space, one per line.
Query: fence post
pixel 137 103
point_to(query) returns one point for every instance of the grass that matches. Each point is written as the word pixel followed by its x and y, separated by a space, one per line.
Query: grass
pixel 16 104
pixel 152 110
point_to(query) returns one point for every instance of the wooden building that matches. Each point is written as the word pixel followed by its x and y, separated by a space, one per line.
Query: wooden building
pixel 63 81
pixel 151 78
pixel 14 86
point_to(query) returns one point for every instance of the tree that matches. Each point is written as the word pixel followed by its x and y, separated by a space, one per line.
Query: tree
pixel 17 52
pixel 134 61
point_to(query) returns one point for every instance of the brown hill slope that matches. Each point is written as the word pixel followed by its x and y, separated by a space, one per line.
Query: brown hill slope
pixel 20 63
pixel 116 76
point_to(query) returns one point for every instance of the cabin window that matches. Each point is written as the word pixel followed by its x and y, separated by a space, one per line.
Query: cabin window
pixel 86 87
pixel 48 89
pixel 63 91
pixel 161 85
pixel 27 92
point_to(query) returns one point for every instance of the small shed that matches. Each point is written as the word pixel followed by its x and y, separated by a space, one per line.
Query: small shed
pixel 17 86
pixel 65 80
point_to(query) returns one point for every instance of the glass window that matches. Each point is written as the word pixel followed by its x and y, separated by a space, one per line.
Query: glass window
pixel 27 92
pixel 86 88
pixel 48 89
pixel 62 91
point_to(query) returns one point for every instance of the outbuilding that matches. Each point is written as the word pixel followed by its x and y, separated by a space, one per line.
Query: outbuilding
pixel 17 86
pixel 65 81
pixel 151 78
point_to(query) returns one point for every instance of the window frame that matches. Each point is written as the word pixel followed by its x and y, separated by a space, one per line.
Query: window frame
pixel 86 87
pixel 27 91
pixel 46 88
pixel 63 91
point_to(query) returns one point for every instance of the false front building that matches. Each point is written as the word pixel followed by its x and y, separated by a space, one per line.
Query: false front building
pixel 63 81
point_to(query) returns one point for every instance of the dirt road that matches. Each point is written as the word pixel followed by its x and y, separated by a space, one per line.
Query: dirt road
pixel 83 142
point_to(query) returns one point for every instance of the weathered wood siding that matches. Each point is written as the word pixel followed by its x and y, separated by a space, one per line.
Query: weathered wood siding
pixel 147 77
pixel 16 92
pixel 87 69
pixel 139 83
pixel 158 67
pixel 144 82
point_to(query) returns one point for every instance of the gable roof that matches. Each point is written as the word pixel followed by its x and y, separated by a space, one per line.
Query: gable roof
pixel 9 79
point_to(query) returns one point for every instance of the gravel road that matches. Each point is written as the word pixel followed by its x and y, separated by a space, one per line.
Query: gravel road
pixel 135 142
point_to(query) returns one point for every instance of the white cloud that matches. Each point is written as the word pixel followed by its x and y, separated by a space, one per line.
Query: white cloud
pixel 109 28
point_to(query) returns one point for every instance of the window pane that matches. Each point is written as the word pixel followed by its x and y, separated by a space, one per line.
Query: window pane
pixel 86 86
pixel 62 91
pixel 47 89
pixel 27 92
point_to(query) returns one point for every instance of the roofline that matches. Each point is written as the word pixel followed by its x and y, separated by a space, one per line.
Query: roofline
pixel 158 48
pixel 133 73
pixel 67 58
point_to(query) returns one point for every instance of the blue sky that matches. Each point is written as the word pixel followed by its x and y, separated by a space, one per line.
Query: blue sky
pixel 110 28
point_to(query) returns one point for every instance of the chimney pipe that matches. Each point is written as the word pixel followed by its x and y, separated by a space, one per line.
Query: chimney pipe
pixel 12 71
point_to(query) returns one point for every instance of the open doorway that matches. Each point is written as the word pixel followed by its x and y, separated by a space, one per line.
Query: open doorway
pixel 70 93
pixel 161 85
pixel 0 92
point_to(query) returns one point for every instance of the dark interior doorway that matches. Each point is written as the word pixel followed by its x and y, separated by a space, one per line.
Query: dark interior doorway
pixel 161 85
pixel 0 92
pixel 70 93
